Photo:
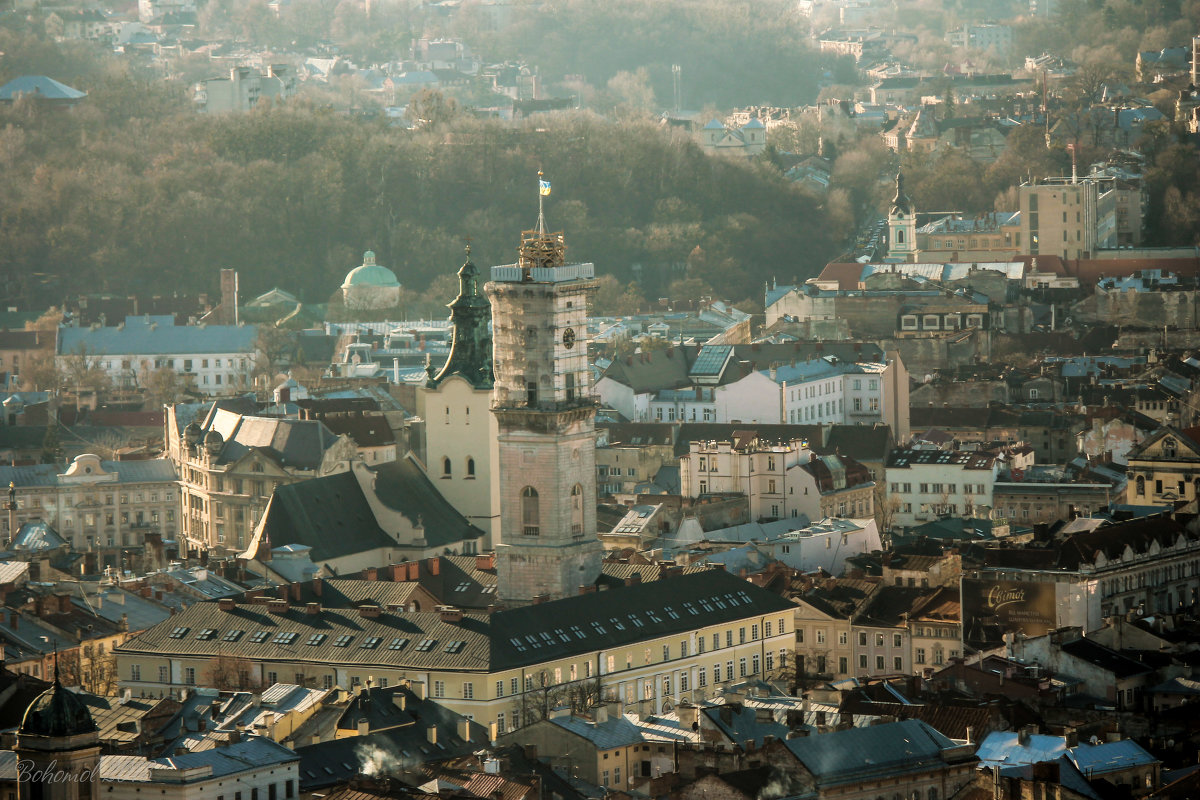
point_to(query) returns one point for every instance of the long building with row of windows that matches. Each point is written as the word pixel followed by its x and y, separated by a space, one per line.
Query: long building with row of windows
pixel 680 638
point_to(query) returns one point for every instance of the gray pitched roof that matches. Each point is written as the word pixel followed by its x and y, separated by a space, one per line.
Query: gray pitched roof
pixel 503 640
pixel 892 749
pixel 295 443
pixel 159 336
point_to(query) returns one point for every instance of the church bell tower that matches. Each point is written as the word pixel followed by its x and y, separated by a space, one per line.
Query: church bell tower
pixel 543 404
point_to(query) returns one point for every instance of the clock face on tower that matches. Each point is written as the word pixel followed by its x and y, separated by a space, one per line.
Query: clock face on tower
pixel 568 338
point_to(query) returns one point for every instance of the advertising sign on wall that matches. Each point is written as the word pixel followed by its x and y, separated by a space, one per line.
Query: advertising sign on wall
pixel 991 608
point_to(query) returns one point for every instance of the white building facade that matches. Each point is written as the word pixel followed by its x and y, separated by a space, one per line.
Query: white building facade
pixel 925 484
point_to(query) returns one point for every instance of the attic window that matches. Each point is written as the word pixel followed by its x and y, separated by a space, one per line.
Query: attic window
pixel 178 633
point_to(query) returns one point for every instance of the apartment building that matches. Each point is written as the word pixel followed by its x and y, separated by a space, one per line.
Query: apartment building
pixel 681 638
pixel 781 479
pixel 230 461
pixel 924 484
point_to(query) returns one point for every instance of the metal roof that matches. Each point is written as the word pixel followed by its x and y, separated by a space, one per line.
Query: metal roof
pixel 504 640
pixel 249 755
pixel 158 336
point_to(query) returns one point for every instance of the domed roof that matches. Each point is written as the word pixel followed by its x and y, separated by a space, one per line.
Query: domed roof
pixel 57 712
pixel 370 274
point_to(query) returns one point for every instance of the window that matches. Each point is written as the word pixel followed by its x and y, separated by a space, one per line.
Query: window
pixel 577 510
pixel 530 513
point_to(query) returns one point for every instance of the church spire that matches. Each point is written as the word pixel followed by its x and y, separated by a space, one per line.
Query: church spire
pixel 471 343
pixel 901 203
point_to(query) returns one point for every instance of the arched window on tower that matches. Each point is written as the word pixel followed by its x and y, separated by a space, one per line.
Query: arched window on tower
pixel 577 510
pixel 470 467
pixel 530 513
pixel 446 470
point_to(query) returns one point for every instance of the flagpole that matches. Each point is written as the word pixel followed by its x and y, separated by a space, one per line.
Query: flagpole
pixel 541 224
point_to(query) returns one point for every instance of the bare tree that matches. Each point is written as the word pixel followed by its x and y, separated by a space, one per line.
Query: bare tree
pixel 231 674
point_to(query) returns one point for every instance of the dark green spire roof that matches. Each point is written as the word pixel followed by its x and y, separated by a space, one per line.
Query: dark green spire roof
pixel 57 712
pixel 471 346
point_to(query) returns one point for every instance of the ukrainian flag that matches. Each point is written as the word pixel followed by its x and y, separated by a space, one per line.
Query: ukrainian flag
pixel 544 187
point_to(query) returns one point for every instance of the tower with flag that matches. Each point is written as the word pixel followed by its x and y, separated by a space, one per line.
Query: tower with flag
pixel 542 402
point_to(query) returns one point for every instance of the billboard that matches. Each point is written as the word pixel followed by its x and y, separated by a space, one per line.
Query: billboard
pixel 991 608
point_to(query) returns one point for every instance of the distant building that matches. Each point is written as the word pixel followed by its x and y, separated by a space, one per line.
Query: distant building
pixel 244 89
pixel 96 504
pixel 748 140
pixel 219 359
pixel 987 36
pixel 370 286
pixel 44 90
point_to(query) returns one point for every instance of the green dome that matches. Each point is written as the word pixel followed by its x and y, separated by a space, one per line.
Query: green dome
pixel 370 274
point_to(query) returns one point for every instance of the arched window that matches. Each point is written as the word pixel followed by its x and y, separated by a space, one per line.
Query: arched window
pixel 530 513
pixel 1141 484
pixel 577 510
pixel 446 467
pixel 470 467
